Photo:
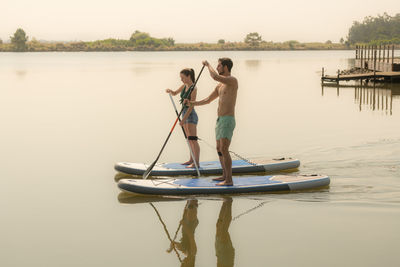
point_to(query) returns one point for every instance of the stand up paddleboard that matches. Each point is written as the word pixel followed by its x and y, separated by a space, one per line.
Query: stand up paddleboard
pixel 252 184
pixel 209 167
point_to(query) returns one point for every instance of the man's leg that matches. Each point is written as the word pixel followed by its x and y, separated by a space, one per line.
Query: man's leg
pixel 227 161
pixel 221 160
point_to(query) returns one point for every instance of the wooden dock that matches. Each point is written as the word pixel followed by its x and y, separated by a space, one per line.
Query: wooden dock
pixel 376 58
pixel 372 63
pixel 392 75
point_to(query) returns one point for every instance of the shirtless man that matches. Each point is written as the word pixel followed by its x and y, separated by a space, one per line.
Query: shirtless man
pixel 226 90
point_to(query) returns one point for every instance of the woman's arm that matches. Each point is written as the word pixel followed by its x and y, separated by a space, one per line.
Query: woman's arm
pixel 177 91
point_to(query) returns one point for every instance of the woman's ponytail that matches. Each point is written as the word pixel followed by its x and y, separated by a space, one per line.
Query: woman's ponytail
pixel 189 72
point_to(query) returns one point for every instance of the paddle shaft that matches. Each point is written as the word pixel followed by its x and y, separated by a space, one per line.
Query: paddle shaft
pixel 187 141
pixel 148 171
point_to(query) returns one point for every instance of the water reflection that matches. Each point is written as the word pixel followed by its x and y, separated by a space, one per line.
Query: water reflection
pixel 371 96
pixel 253 63
pixel 187 243
pixel 129 198
pixel 21 73
pixel 374 99
pixel 185 248
pixel 224 249
pixel 143 67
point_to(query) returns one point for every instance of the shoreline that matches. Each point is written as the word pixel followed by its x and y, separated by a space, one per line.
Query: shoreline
pixel 35 46
pixel 180 50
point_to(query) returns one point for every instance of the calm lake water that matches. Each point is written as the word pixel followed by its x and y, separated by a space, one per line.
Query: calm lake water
pixel 66 118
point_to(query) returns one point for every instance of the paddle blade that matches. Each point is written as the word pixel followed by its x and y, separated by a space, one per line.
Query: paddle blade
pixel 148 171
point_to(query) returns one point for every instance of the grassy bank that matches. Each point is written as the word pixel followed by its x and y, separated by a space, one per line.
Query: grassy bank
pixel 126 45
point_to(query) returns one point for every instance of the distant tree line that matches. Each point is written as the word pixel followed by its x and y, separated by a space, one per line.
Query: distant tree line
pixel 380 30
pixel 142 41
pixel 383 29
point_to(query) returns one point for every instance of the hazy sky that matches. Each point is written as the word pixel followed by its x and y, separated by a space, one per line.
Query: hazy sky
pixel 188 21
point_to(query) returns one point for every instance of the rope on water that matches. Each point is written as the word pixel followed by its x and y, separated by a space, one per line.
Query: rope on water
pixel 234 153
pixel 249 210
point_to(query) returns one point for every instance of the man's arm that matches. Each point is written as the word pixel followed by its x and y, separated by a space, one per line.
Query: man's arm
pixel 205 101
pixel 217 77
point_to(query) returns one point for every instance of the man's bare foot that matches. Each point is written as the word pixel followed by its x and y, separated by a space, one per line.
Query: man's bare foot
pixel 222 178
pixel 187 162
pixel 225 183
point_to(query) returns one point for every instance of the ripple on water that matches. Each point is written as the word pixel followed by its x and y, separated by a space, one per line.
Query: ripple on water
pixel 368 171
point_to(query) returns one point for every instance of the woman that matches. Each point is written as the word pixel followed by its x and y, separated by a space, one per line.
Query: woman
pixel 189 115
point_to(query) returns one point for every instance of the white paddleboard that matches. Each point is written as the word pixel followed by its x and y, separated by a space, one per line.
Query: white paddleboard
pixel 209 167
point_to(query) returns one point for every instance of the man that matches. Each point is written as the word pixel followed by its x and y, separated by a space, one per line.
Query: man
pixel 226 90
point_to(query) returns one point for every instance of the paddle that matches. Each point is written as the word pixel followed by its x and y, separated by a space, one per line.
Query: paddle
pixel 150 168
pixel 184 133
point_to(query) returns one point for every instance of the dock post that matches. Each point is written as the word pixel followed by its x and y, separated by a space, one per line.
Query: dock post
pixel 372 55
pixel 371 51
pixel 392 56
pixel 383 54
pixel 338 73
pixel 362 56
pixel 374 66
pixel 380 47
pixel 356 51
pixel 388 54
pixel 379 58
pixel 365 55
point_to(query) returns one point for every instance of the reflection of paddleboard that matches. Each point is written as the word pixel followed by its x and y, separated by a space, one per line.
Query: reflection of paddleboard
pixel 209 167
pixel 249 184
pixel 128 198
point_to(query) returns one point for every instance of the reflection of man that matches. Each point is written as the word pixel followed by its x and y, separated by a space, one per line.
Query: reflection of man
pixel 189 223
pixel 223 244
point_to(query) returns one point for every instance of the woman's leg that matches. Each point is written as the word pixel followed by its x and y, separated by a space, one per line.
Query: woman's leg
pixel 192 131
pixel 190 161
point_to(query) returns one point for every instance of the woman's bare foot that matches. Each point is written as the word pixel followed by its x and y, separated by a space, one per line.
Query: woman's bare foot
pixel 192 165
pixel 225 183
pixel 222 178
pixel 187 162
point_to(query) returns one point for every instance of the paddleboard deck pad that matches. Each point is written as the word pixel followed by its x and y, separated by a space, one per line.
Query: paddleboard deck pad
pixel 248 184
pixel 209 167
